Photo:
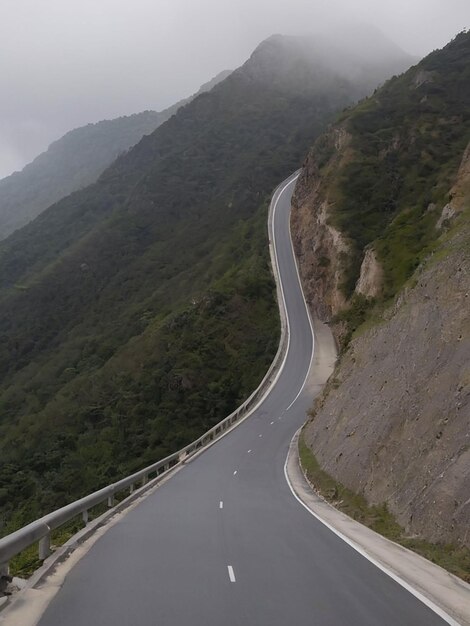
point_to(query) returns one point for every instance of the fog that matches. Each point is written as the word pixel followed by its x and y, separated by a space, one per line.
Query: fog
pixel 65 63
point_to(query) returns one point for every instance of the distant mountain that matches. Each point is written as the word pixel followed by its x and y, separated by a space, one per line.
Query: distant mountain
pixel 139 311
pixel 75 161
pixel 381 224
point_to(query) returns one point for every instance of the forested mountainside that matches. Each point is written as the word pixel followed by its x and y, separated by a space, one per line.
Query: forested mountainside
pixel 382 232
pixel 138 312
pixel 75 161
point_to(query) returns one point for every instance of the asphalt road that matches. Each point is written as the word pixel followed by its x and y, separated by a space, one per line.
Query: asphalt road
pixel 224 542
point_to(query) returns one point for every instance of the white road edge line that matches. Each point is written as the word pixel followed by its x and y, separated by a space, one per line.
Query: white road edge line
pixel 292 178
pixel 417 594
pixel 300 390
pixel 231 574
pixel 306 309
pixel 271 231
pixel 221 504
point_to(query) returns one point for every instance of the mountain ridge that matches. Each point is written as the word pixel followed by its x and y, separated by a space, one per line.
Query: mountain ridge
pixel 75 161
pixel 106 298
pixel 381 229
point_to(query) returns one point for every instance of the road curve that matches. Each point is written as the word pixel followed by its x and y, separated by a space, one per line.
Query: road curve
pixel 224 542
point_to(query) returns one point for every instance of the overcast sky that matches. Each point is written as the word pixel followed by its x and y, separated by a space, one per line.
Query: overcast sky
pixel 64 63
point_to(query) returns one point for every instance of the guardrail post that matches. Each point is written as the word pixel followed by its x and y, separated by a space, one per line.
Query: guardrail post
pixel 4 576
pixel 45 546
pixel 40 531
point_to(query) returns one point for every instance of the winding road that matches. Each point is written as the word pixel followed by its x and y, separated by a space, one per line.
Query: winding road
pixel 224 542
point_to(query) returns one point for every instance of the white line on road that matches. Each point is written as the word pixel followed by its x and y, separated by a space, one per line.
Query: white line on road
pixel 272 423
pixel 249 451
pixel 234 472
pixel 309 321
pixel 260 435
pixel 279 280
pixel 396 577
pixel 231 575
pixel 221 504
pixel 300 391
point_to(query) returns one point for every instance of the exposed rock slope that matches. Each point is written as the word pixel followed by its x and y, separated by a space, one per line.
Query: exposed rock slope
pixel 381 225
pixel 395 423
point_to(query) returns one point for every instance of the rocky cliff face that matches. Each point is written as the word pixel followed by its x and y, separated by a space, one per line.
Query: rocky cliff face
pixel 394 421
pixel 319 246
pixel 394 424
pixel 371 277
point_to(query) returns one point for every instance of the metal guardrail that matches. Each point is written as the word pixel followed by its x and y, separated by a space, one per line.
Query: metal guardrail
pixel 40 530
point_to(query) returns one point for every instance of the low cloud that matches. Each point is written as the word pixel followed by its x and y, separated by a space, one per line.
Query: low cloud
pixel 64 64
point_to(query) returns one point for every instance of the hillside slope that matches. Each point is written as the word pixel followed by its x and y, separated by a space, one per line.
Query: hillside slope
pixel 382 231
pixel 75 161
pixel 138 312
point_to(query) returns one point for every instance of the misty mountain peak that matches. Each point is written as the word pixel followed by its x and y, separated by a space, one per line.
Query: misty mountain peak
pixel 357 53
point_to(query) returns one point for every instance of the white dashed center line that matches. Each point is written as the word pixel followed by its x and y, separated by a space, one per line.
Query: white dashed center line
pixel 234 472
pixel 272 423
pixel 249 451
pixel 221 504
pixel 231 574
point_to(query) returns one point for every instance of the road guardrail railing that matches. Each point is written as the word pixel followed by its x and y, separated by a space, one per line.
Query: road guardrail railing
pixel 40 530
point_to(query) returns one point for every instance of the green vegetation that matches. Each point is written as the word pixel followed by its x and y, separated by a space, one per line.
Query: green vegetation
pixel 455 559
pixel 137 313
pixel 354 316
pixel 102 411
pixel 407 142
pixel 397 168
pixel 27 562
pixel 74 161
pixel 70 163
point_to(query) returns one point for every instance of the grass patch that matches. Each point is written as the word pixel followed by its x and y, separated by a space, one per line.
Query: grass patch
pixel 354 316
pixel 453 558
pixel 27 562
